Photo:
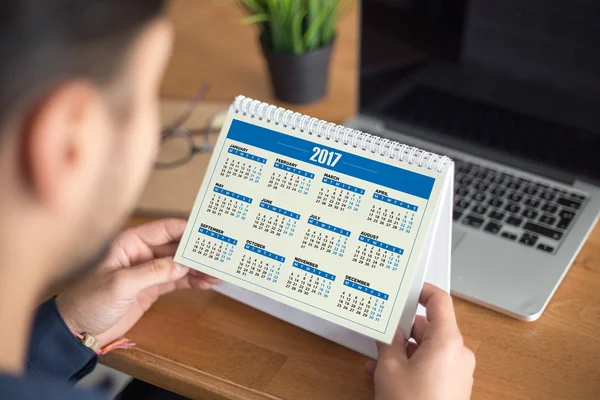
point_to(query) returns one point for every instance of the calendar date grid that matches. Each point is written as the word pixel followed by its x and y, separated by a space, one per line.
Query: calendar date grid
pixel 362 301
pixel 275 220
pixel 213 245
pixel 393 213
pixel 338 195
pixel 325 237
pixel 241 164
pixel 308 280
pixel 260 264
pixel 374 253
pixel 288 176
pixel 227 202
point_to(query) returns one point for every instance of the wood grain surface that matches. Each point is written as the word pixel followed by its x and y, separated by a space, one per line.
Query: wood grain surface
pixel 206 346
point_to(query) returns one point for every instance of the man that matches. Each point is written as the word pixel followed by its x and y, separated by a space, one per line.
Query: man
pixel 79 84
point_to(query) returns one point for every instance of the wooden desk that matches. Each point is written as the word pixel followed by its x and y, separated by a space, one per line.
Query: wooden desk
pixel 204 345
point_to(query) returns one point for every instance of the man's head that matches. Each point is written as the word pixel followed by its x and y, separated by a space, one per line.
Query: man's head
pixel 78 119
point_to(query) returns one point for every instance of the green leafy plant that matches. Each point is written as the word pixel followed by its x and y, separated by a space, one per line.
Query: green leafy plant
pixel 293 26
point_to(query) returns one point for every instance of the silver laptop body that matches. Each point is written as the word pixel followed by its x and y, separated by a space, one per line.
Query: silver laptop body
pixel 521 214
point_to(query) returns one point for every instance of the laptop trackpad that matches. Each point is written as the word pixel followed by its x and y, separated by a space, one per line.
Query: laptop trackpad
pixel 457 236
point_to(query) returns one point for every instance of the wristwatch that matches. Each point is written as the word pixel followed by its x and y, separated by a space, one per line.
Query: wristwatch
pixel 88 341
pixel 93 344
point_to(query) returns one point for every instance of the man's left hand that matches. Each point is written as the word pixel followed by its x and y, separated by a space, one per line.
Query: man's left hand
pixel 110 300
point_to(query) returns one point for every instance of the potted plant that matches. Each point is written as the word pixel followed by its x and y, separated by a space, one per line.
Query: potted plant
pixel 296 37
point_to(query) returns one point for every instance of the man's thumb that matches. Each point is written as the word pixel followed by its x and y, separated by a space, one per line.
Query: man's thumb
pixel 149 274
pixel 395 351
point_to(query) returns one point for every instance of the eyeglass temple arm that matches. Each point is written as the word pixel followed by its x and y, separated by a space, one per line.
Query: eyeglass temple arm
pixel 195 102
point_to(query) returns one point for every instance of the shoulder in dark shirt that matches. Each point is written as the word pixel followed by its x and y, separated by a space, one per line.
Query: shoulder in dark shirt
pixel 30 388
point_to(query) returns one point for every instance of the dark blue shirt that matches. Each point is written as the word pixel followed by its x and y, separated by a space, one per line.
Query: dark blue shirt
pixel 55 362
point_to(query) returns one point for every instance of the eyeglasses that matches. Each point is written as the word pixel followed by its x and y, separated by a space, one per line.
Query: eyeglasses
pixel 178 145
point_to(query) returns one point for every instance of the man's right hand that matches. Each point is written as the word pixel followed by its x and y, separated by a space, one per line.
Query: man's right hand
pixel 437 367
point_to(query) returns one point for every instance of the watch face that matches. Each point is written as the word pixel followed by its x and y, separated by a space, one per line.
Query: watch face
pixel 90 341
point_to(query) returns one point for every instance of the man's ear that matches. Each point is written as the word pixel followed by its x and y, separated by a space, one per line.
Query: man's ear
pixel 59 137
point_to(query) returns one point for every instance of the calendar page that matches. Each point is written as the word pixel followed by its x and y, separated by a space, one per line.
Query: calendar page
pixel 331 229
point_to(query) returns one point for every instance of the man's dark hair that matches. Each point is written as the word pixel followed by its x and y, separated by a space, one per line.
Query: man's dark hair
pixel 45 42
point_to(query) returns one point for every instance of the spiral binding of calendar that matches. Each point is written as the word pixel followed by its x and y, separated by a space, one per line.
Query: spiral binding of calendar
pixel 338 133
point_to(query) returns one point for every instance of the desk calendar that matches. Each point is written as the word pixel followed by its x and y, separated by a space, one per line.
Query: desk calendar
pixel 334 223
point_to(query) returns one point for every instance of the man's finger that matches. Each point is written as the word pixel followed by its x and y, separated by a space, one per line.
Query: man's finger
pixel 438 304
pixel 395 351
pixel 440 314
pixel 371 366
pixel 165 250
pixel 411 348
pixel 131 281
pixel 197 282
pixel 419 328
pixel 159 232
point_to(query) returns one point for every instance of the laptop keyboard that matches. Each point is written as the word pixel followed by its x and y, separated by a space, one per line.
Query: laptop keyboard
pixel 514 208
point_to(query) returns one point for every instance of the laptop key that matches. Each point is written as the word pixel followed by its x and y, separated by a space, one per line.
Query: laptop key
pixel 569 203
pixel 549 208
pixel 482 186
pixel 513 208
pixel 576 196
pixel 508 235
pixel 466 181
pixel 516 197
pixel 478 196
pixel 498 179
pixel 566 217
pixel 456 215
pixel 462 191
pixel 545 247
pixel 512 220
pixel 473 221
pixel 492 227
pixel 530 190
pixel 533 203
pixel 547 219
pixel 514 185
pixel 528 239
pixel 496 215
pixel 498 191
pixel 495 202
pixel 548 196
pixel 479 209
pixel 529 214
pixel 462 203
pixel 542 230
pixel 566 214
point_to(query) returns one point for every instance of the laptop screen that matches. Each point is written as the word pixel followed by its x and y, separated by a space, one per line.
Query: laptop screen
pixel 515 77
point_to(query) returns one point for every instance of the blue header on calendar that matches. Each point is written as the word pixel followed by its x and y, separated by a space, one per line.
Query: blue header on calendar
pixel 380 244
pixel 333 159
pixel 264 252
pixel 329 227
pixel 343 185
pixel 294 170
pixel 279 210
pixel 365 289
pixel 218 236
pixel 314 271
pixel 233 195
pixel 395 202
pixel 249 156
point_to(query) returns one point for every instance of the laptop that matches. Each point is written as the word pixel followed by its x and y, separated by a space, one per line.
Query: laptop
pixel 511 91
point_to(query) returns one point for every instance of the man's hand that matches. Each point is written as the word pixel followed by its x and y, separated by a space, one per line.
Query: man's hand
pixel 437 367
pixel 110 300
